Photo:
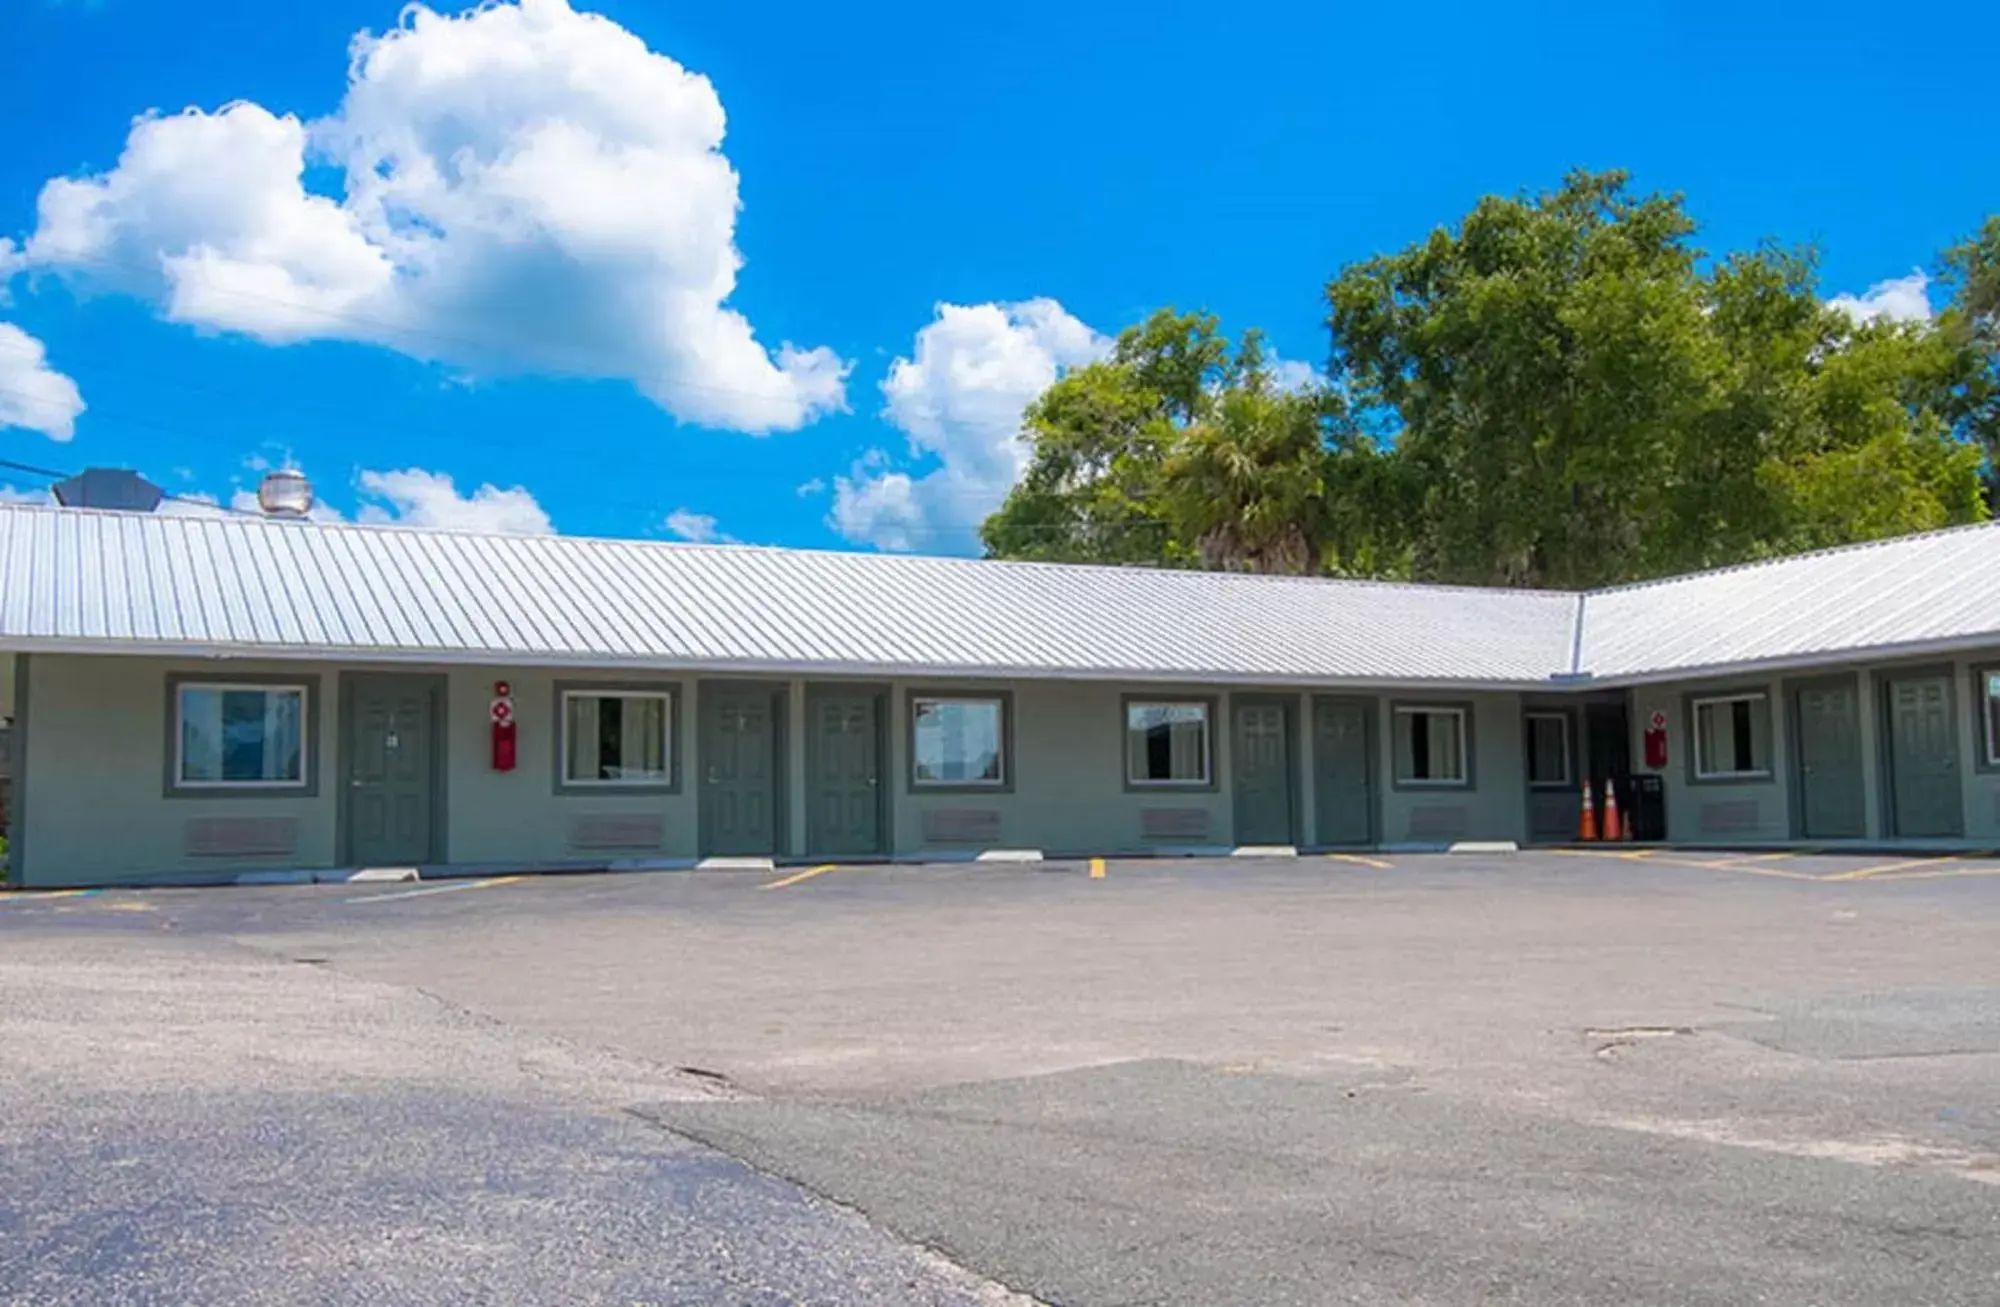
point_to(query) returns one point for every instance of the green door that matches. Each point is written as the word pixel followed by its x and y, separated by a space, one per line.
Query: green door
pixel 1828 747
pixel 1924 796
pixel 391 777
pixel 1261 764
pixel 843 773
pixel 739 772
pixel 1344 770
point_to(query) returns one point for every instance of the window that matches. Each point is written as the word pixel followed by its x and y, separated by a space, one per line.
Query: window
pixel 1548 750
pixel 1989 712
pixel 617 737
pixel 1430 746
pixel 958 742
pixel 239 736
pixel 1166 743
pixel 1732 737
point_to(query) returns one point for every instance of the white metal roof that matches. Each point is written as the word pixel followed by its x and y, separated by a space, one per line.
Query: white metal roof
pixel 1936 591
pixel 244 586
pixel 249 586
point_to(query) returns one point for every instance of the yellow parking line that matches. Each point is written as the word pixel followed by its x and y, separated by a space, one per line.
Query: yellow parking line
pixel 1657 858
pixel 1935 875
pixel 798 876
pixel 1360 861
pixel 1097 869
pixel 1864 873
pixel 1743 869
pixel 44 895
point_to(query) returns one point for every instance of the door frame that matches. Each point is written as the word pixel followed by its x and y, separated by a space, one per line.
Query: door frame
pixel 1795 788
pixel 1573 716
pixel 780 694
pixel 884 765
pixel 1885 741
pixel 1288 704
pixel 436 684
pixel 1371 747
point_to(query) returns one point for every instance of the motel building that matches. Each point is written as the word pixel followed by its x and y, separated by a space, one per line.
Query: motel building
pixel 196 698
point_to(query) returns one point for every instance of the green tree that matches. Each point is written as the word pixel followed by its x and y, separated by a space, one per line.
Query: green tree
pixel 1578 396
pixel 1970 324
pixel 1101 437
pixel 1247 481
pixel 1562 390
pixel 1179 451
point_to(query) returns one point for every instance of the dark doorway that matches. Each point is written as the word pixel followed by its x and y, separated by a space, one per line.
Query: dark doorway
pixel 1607 732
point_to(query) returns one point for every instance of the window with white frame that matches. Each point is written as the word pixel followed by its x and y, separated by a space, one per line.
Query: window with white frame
pixel 239 736
pixel 958 741
pixel 1732 737
pixel 1989 710
pixel 1166 743
pixel 1548 750
pixel 617 737
pixel 1430 745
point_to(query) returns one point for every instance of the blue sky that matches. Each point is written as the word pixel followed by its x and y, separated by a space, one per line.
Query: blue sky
pixel 530 282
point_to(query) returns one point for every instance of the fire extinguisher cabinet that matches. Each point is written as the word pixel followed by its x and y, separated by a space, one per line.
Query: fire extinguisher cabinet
pixel 1649 807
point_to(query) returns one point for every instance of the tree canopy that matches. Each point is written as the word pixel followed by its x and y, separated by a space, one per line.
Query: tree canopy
pixel 1561 390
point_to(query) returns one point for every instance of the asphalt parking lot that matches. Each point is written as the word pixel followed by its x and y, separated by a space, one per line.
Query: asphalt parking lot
pixel 1636 1077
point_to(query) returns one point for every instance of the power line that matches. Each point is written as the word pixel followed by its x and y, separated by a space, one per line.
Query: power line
pixel 52 476
pixel 697 472
pixel 932 532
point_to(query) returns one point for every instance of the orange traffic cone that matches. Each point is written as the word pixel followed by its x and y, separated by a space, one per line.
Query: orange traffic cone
pixel 1612 829
pixel 1586 831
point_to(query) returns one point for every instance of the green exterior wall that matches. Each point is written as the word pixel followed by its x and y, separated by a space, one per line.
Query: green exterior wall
pixel 1067 791
pixel 95 757
pixel 100 734
pixel 93 754
pixel 98 744
pixel 1492 807
pixel 1763 812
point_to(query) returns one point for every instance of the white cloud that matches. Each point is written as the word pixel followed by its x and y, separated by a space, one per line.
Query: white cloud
pixel 1901 299
pixel 32 495
pixel 807 489
pixel 960 399
pixel 33 394
pixel 527 190
pixel 415 497
pixel 697 527
pixel 1295 376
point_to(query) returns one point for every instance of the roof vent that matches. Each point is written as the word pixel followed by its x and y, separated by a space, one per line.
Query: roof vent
pixel 285 493
pixel 109 487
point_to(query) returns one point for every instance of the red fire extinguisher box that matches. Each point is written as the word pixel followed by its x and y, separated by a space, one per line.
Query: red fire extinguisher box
pixel 504 750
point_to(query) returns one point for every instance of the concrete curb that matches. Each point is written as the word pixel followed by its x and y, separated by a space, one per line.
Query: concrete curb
pixel 765 865
pixel 371 876
pixel 633 865
pixel 298 876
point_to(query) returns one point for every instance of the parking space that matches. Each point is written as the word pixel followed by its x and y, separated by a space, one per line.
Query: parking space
pixel 1449 1078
